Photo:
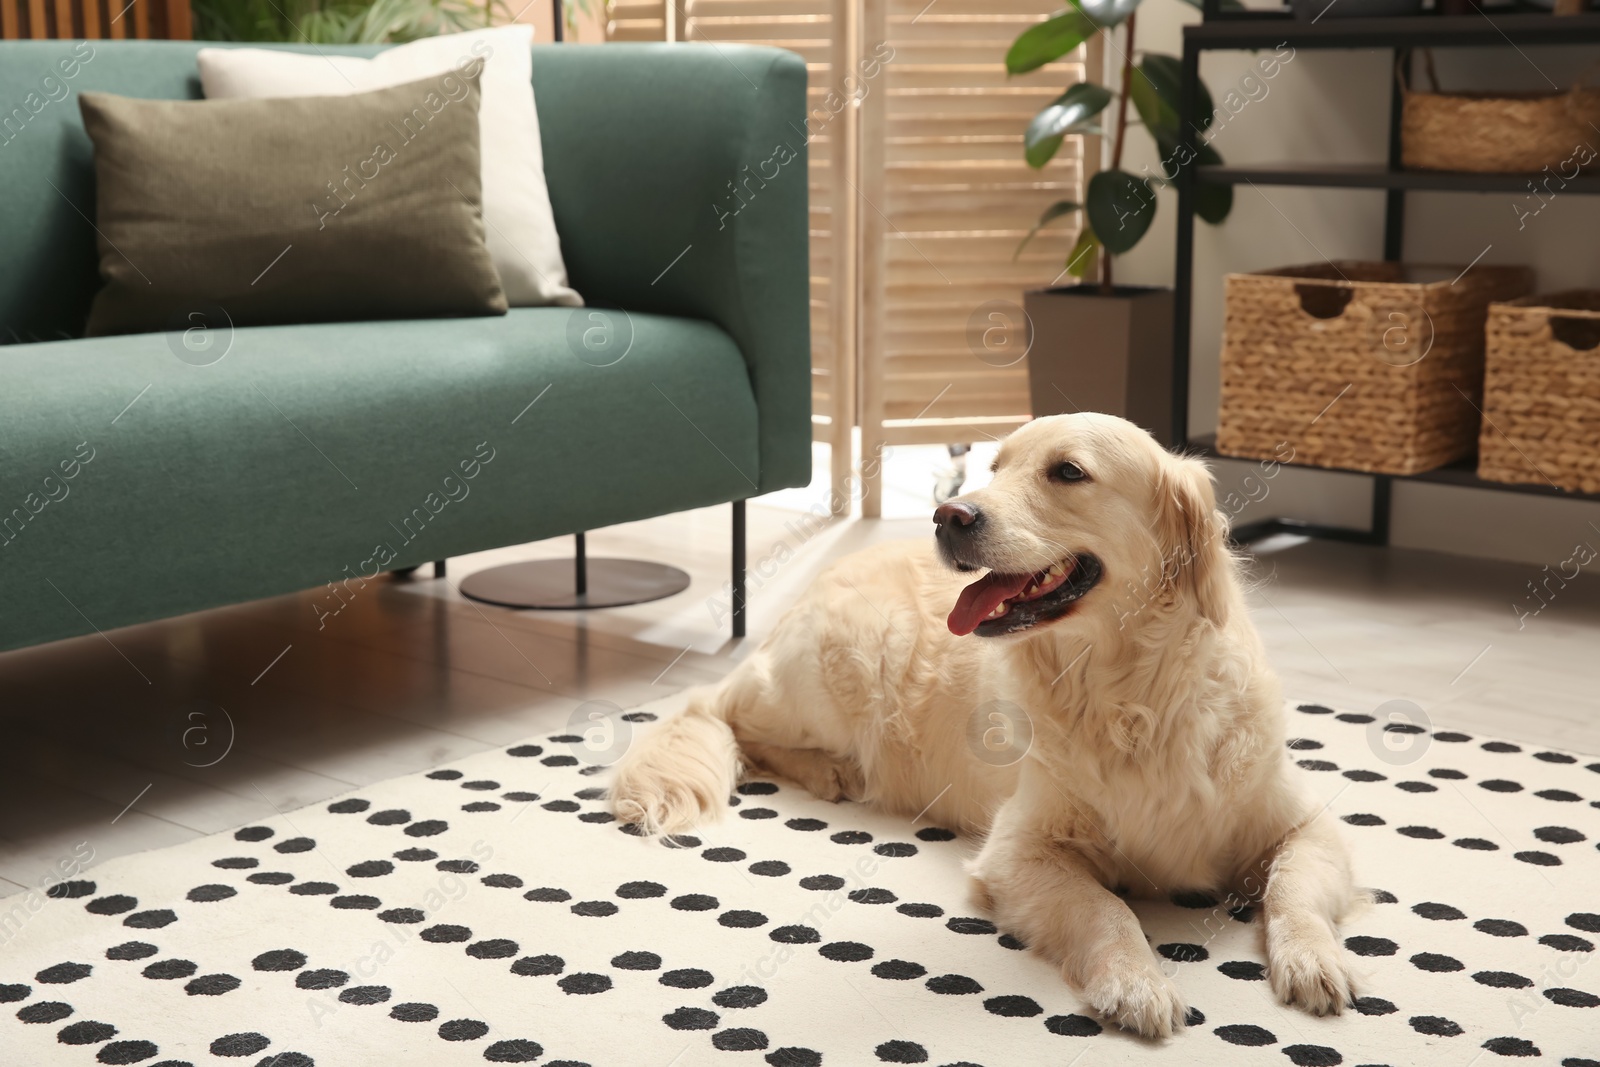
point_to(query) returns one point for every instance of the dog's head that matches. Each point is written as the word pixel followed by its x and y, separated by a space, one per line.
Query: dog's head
pixel 1087 519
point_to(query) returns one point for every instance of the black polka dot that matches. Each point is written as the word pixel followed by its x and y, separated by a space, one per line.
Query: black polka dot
pixel 389 817
pixel 636 961
pixel 247 1044
pixel 1354 716
pixel 795 935
pixel 481 785
pixel 1538 859
pixel 739 1039
pixel 403 915
pixel 597 817
pixel 356 902
pixel 740 996
pixel 757 789
pixel 129 950
pixel 901 1052
pixel 1451 736
pixel 594 909
pixel 582 983
pixel 365 995
pixel 1476 844
pixel 757 813
pixel 1500 746
pixel 1421 833
pixel 1362 819
pixel 427 828
pixel 687 978
pixel 794 1056
pixel 1502 980
pixel 851 837
pixel 1244 913
pixel 970 925
pixel 446 934
pixel 520 796
pixel 641 890
pixel 1243 970
pixel 295 844
pixel 236 863
pixel 271 878
pixel 1559 835
pixel 1588 922
pixel 1571 998
pixel 1303 744
pixel 822 882
pixel 895 849
pixel 261 833
pixel 115 904
pixel 1446 773
pixel 314 889
pixel 742 920
pixel 212 985
pixel 953 985
pixel 279 959
pixel 87 1032
pixel 1194 899
pixel 592 792
pixel 457 866
pixel 1430 910
pixel 560 761
pixel 151 920
pixel 463 1030
pixel 1356 776
pixel 873 895
pixel 414 1013
pixel 1245 1034
pixel 1183 952
pixel 1436 962
pixel 723 855
pixel 348 806
pixel 1013 1007
pixel 523 751
pixel 1374 1006
pixel 46 1011
pixel 935 833
pixel 64 973
pixel 1072 1026
pixel 770 868
pixel 497 948
pixel 1567 943
pixel 695 902
pixel 1317 765
pixel 1512 1046
pixel 1007 941
pixel 166 970
pixel 1315 709
pixel 1417 787
pixel 516 1050
pixel 370 869
pixel 1500 785
pixel 806 825
pixel 537 966
pixel 562 806
pixel 846 951
pixel 501 881
pixel 898 970
pixel 921 911
pixel 548 895
pixel 122 1052
pixel 323 978
pixel 1312 1055
pixel 1554 757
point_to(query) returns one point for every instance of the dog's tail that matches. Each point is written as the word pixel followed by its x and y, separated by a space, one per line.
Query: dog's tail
pixel 682 771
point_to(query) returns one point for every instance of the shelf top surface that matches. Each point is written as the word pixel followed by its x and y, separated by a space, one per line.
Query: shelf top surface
pixel 1269 30
pixel 1379 176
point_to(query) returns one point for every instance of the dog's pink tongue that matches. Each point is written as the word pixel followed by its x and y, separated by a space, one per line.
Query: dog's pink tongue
pixel 982 597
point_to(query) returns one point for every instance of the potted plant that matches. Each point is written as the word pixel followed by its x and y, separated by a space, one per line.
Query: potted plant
pixel 1101 346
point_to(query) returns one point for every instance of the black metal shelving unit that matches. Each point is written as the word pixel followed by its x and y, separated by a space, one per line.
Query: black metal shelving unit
pixel 1250 31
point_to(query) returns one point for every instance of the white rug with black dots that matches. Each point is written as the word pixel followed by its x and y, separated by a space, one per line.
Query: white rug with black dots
pixel 491 911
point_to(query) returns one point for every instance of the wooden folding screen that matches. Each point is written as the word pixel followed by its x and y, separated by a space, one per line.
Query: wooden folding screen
pixel 116 19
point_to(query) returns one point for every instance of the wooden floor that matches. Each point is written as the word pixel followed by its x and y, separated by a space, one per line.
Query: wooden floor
pixel 155 734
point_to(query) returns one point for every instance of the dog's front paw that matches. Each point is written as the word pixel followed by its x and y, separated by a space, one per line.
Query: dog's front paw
pixel 1307 969
pixel 1136 996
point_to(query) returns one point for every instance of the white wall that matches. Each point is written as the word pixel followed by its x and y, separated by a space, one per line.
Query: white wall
pixel 1333 107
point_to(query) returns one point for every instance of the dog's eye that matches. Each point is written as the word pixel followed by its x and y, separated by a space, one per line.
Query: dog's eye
pixel 1068 472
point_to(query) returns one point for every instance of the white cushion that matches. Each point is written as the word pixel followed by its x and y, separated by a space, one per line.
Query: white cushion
pixel 520 228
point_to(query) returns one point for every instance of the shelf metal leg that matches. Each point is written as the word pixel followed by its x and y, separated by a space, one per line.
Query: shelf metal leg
pixel 1183 273
pixel 738 567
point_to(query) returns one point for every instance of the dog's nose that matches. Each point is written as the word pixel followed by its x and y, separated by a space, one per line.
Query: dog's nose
pixel 955 512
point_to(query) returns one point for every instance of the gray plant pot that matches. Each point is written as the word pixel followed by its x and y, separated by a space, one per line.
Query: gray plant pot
pixel 1102 353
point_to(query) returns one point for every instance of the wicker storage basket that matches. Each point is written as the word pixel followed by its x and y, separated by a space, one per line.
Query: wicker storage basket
pixel 1363 366
pixel 1541 393
pixel 1497 133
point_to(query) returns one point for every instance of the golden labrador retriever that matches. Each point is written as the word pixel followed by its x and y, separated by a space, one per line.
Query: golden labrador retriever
pixel 1096 706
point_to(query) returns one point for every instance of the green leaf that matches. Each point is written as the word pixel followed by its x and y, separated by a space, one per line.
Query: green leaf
pixel 1084 258
pixel 1068 113
pixel 1156 91
pixel 1049 40
pixel 1050 214
pixel 1120 208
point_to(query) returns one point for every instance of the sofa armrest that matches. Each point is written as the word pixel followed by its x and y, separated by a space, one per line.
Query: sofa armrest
pixel 678 178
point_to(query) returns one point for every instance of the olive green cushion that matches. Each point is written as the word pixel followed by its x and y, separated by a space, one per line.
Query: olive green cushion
pixel 306 209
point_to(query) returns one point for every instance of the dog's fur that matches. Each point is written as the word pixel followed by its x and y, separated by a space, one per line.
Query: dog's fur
pixel 1157 761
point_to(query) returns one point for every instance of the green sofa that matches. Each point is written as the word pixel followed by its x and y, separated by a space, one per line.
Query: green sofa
pixel 135 484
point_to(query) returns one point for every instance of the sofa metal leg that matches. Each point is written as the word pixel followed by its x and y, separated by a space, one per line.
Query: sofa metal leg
pixel 438 568
pixel 738 567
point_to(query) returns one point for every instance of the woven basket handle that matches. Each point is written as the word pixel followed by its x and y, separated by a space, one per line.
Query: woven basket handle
pixel 1578 332
pixel 1324 301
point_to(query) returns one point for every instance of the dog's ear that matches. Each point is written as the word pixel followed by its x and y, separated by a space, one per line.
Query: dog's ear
pixel 1193 537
